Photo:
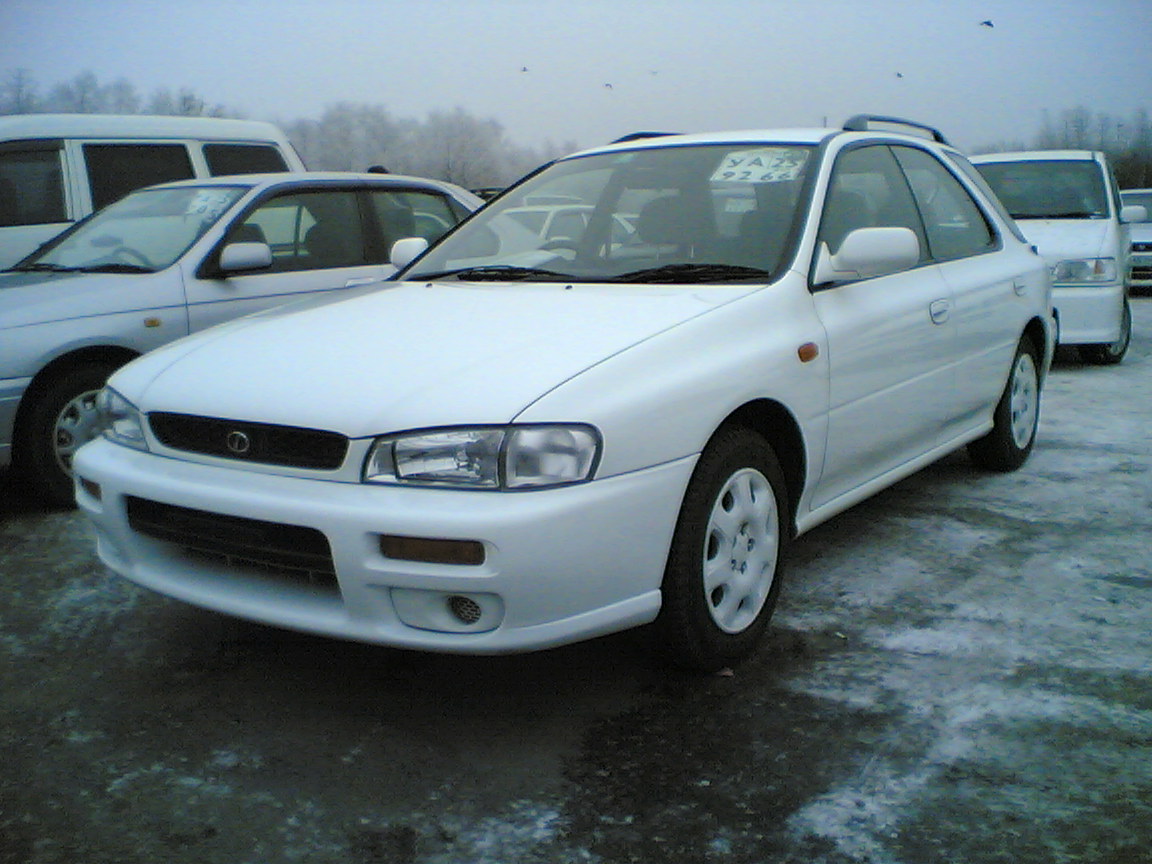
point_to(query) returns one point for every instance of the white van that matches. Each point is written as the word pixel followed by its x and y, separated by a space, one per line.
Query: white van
pixel 1068 205
pixel 58 168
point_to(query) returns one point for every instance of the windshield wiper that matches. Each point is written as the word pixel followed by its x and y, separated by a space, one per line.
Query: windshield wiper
pixel 119 267
pixel 693 273
pixel 41 268
pixel 494 272
pixel 1071 214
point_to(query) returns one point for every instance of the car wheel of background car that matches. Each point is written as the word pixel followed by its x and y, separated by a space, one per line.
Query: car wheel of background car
pixel 1112 353
pixel 724 568
pixel 1017 414
pixel 62 418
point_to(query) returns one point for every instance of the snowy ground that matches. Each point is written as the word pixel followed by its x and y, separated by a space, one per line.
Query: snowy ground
pixel 959 672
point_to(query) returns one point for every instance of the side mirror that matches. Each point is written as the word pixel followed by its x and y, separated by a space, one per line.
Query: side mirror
pixel 405 251
pixel 1133 213
pixel 244 257
pixel 867 253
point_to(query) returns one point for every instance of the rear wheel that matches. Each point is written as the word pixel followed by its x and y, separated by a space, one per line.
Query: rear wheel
pixel 59 421
pixel 1111 353
pixel 724 568
pixel 1017 415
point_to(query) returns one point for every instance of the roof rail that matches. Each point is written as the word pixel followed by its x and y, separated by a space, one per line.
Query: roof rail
pixel 636 136
pixel 861 123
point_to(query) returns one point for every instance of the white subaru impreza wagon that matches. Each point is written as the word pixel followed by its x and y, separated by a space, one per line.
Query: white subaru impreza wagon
pixel 530 439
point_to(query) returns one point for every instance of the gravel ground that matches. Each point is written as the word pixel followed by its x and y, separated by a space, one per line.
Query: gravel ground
pixel 959 672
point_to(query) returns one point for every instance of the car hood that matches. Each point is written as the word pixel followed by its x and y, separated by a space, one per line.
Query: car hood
pixel 40 298
pixel 409 355
pixel 1061 239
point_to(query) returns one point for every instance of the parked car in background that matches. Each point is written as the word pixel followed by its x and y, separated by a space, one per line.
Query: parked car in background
pixel 175 258
pixel 1141 263
pixel 57 168
pixel 615 432
pixel 1068 204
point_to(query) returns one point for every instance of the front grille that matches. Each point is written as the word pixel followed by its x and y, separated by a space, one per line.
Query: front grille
pixel 1142 247
pixel 288 446
pixel 288 550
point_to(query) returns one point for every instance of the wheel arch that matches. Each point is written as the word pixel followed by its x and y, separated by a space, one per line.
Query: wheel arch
pixel 102 354
pixel 1037 333
pixel 772 421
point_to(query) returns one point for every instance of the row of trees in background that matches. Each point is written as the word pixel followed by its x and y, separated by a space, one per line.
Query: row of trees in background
pixel 447 145
pixel 474 152
pixel 1127 141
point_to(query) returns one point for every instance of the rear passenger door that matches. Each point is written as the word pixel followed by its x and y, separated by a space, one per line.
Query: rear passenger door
pixel 986 305
pixel 320 241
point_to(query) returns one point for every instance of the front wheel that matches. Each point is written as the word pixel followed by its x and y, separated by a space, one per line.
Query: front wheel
pixel 724 568
pixel 1111 353
pixel 1017 414
pixel 62 418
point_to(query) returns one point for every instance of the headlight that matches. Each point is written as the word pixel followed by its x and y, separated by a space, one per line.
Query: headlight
pixel 1085 270
pixel 119 420
pixel 486 457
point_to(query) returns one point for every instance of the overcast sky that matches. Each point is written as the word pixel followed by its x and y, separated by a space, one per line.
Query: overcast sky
pixel 597 69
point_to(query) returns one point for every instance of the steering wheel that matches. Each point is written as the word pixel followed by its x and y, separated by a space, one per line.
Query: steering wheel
pixel 129 255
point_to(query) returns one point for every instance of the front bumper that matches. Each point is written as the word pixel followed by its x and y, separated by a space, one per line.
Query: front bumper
pixel 560 565
pixel 1089 314
pixel 1141 273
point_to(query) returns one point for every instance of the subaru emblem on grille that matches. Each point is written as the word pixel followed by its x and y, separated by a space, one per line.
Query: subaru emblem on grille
pixel 238 443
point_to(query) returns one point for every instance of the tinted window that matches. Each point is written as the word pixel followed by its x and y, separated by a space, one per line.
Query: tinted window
pixel 412 214
pixel 1049 189
pixel 954 223
pixel 114 170
pixel 31 187
pixel 308 230
pixel 868 190
pixel 243 159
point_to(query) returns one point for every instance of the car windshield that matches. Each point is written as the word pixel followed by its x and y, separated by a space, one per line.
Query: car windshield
pixel 1049 189
pixel 679 214
pixel 141 233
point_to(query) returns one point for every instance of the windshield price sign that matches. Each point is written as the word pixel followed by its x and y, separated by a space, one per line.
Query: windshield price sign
pixel 762 165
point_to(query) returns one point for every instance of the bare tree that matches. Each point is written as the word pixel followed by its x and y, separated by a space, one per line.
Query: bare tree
pixel 81 95
pixel 18 93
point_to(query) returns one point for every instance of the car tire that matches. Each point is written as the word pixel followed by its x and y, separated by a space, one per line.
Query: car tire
pixel 725 564
pixel 1110 354
pixel 1017 415
pixel 61 418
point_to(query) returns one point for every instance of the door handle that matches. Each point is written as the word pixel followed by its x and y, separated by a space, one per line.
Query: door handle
pixel 939 310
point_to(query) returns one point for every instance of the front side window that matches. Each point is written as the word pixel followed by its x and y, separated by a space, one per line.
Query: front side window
pixel 307 230
pixel 867 190
pixel 31 187
pixel 114 170
pixel 141 233
pixel 225 159
pixel 954 223
pixel 1049 189
pixel 705 213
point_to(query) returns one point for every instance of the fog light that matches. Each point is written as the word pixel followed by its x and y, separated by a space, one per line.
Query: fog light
pixel 432 551
pixel 465 608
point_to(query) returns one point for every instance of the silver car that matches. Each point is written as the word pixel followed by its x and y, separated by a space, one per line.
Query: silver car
pixel 173 259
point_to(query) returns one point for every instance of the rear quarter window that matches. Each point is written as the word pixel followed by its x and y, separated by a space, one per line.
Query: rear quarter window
pixel 226 159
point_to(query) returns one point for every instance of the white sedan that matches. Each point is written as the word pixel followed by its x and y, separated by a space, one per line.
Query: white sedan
pixel 173 259
pixel 526 443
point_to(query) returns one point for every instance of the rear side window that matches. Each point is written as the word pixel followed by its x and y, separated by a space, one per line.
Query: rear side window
pixel 114 170
pixel 31 187
pixel 411 214
pixel 224 159
pixel 955 225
